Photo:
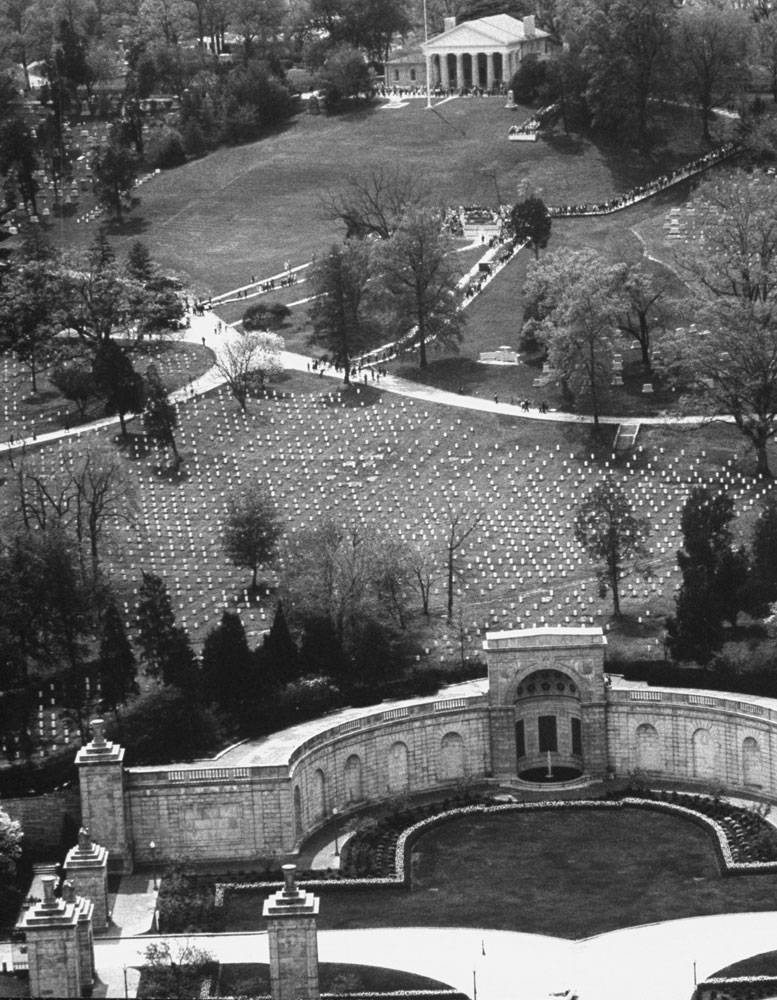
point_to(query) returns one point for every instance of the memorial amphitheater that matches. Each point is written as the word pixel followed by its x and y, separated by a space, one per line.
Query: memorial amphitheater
pixel 548 702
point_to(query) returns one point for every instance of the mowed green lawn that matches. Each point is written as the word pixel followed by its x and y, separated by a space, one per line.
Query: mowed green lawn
pixel 570 874
pixel 247 209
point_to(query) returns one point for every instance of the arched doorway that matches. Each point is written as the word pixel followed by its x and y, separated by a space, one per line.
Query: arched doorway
pixel 648 750
pixel 548 727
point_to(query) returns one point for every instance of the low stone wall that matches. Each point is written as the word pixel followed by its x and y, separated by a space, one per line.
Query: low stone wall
pixel 42 816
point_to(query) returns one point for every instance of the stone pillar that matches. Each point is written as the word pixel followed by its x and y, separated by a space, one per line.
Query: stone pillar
pixel 489 70
pixel 87 866
pixel 459 70
pixel 291 928
pixel 101 777
pixel 51 931
pixel 85 935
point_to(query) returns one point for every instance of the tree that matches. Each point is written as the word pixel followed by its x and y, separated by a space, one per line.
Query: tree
pixel 251 531
pixel 117 382
pixel 763 546
pixel 531 223
pixel 458 527
pixel 732 273
pixel 117 670
pixel 344 75
pixel 102 496
pixel 177 971
pixel 714 575
pixel 374 203
pixel 246 362
pixel 72 375
pixel 18 158
pixel 160 417
pixel 577 297
pixel 155 621
pixel 343 312
pixel 612 536
pixel 28 299
pixel 115 171
pixel 643 290
pixel 626 52
pixel 279 651
pixel 227 666
pixel 10 852
pixel 711 46
pixel 422 282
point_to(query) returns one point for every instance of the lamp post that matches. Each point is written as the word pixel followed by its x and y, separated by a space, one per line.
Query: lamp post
pixel 152 845
pixel 337 830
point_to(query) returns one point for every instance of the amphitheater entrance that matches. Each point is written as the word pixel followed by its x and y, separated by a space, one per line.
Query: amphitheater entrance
pixel 548 728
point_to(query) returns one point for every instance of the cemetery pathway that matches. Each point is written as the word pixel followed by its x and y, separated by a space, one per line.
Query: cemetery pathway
pixel 205 330
pixel 641 963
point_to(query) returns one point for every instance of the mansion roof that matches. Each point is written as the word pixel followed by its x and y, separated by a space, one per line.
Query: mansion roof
pixel 500 30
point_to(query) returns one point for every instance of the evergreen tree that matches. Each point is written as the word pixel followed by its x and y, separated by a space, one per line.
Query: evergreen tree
pixel 227 666
pixel 155 621
pixel 140 266
pixel 280 653
pixel 763 545
pixel 321 653
pixel 714 575
pixel 117 666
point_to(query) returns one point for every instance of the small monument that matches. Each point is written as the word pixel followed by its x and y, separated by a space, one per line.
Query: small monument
pixel 291 927
pixel 87 865
pixel 51 931
pixel 510 100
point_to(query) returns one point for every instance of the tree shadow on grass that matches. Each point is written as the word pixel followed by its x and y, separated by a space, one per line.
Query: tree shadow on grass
pixel 353 396
pixel 129 226
pixel 133 445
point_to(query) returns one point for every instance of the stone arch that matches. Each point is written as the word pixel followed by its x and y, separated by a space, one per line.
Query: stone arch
pixel 567 673
pixel 297 808
pixel 451 757
pixel 647 755
pixel 752 762
pixel 704 753
pixel 353 779
pixel 319 793
pixel 398 771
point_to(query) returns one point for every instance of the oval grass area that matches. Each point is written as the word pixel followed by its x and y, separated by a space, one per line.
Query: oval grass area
pixel 568 873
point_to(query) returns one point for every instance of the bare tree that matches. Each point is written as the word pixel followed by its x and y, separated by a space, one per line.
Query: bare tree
pixel 103 496
pixel 458 527
pixel 249 361
pixel 374 203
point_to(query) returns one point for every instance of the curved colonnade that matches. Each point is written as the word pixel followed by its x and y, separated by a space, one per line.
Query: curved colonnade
pixel 547 700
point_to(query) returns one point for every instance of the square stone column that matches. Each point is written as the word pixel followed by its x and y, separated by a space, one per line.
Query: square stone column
pixel 291 928
pixel 459 70
pixel 51 931
pixel 87 866
pixel 445 77
pixel 85 910
pixel 101 778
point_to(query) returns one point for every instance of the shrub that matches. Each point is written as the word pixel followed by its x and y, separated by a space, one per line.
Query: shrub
pixel 165 148
pixel 187 903
pixel 265 316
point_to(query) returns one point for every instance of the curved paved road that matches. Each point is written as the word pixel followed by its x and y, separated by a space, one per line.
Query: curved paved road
pixel 653 962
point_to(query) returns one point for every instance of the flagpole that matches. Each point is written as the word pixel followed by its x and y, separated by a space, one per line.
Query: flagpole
pixel 426 59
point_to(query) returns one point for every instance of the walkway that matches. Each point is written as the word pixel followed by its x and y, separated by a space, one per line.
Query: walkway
pixel 653 962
